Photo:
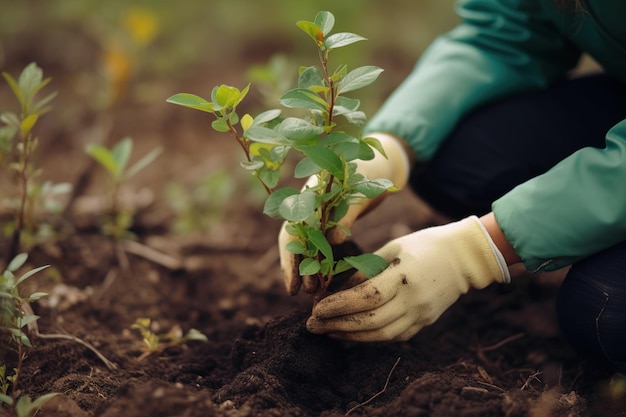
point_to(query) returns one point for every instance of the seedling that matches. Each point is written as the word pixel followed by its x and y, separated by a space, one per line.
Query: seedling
pixel 115 162
pixel 14 318
pixel 322 133
pixel 154 342
pixel 25 88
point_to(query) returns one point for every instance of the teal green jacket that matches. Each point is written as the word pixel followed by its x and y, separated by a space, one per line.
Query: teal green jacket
pixel 503 47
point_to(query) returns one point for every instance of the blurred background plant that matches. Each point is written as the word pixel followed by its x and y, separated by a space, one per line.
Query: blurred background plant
pixel 130 43
pixel 115 62
pixel 25 200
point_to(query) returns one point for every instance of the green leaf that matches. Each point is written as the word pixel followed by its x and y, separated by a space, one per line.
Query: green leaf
pixel 317 238
pixel 368 263
pixel 144 162
pixel 31 80
pixel 25 340
pixel 5 399
pixel 375 143
pixel 345 105
pixel 220 125
pixel 325 158
pixel 28 123
pixel 298 207
pixel 340 72
pixel 340 210
pixel 252 165
pixel 294 128
pixel 14 87
pixel 191 101
pixel 309 78
pixel 312 30
pixel 357 118
pixel 305 168
pixel 17 262
pixel 309 266
pixel 30 273
pixel 349 151
pixel 26 319
pixel 373 188
pixel 194 334
pixel 342 266
pixel 246 122
pixel 25 407
pixel 303 98
pixel 6 138
pixel 269 177
pixel 335 138
pixel 266 116
pixel 325 21
pixel 295 247
pixel 121 154
pixel 36 296
pixel 275 199
pixel 338 40
pixel 359 77
pixel 263 134
pixel 41 106
pixel 11 119
pixel 326 266
pixel 104 157
pixel 228 97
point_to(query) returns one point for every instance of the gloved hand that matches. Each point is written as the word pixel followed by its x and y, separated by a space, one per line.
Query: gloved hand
pixel 394 168
pixel 429 270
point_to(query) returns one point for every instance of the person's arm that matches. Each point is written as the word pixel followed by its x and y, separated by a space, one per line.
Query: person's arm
pixel 500 48
pixel 574 210
pixel 499 239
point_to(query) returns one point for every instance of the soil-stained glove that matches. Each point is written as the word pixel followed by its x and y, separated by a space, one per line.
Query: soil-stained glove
pixel 429 270
pixel 394 168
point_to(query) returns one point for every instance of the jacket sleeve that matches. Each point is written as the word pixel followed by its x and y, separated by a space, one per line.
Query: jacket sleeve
pixel 576 209
pixel 500 48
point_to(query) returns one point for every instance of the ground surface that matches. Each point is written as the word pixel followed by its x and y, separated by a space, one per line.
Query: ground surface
pixel 497 352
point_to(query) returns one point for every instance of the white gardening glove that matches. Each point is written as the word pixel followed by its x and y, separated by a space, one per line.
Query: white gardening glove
pixel 394 168
pixel 428 271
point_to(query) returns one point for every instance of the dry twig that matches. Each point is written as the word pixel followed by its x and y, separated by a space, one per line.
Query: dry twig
pixel 530 379
pixel 34 328
pixel 373 397
pixel 480 351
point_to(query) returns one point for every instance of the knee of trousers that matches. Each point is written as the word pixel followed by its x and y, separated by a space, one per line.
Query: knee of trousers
pixel 591 309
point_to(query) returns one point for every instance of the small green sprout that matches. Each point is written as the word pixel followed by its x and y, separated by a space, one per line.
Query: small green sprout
pixel 14 318
pixel 154 342
pixel 115 161
pixel 25 88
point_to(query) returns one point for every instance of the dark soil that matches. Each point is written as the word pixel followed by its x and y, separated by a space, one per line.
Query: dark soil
pixel 496 352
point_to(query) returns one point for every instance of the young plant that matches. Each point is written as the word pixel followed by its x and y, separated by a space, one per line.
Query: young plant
pixel 322 133
pixel 14 318
pixel 115 162
pixel 156 343
pixel 25 89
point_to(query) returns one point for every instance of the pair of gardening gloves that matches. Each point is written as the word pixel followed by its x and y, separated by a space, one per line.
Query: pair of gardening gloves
pixel 428 269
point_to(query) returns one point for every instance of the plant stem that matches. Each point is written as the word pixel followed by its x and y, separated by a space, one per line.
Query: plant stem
pixel 23 178
pixel 246 150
